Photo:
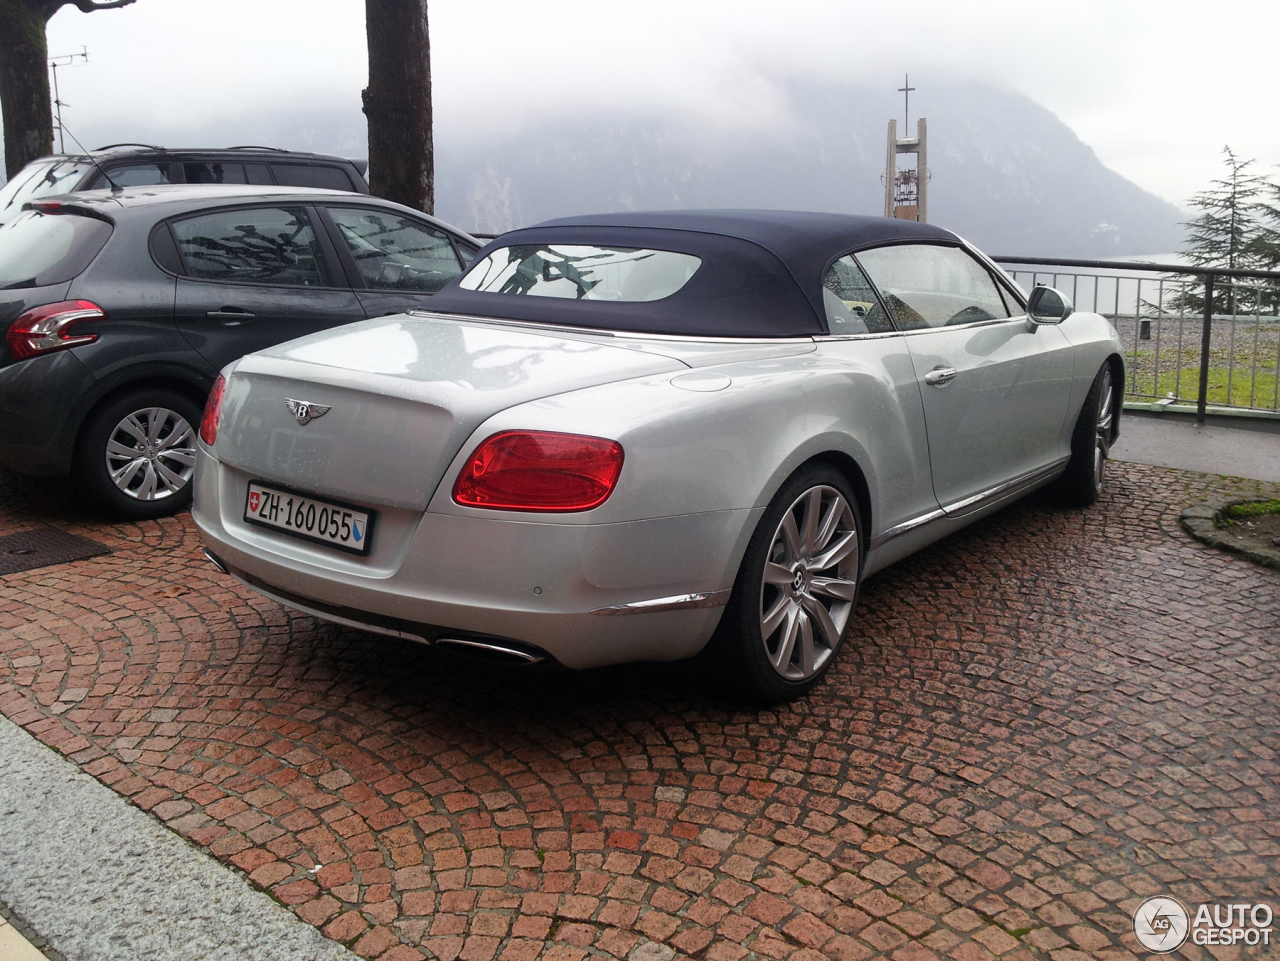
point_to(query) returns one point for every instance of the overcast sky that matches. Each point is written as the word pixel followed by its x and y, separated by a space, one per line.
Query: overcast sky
pixel 1156 87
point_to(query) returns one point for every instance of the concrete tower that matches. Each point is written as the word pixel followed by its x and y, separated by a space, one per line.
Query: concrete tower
pixel 906 191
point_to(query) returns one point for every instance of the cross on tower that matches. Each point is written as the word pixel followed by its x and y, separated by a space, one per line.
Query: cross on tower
pixel 905 90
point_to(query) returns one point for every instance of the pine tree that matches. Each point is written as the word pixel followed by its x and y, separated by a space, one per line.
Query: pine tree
pixel 1228 233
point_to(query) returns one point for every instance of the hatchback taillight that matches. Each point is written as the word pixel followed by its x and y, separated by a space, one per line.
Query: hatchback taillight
pixel 44 329
pixel 213 411
pixel 528 470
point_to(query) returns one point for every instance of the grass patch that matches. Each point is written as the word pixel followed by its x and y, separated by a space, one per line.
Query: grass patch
pixel 1252 509
pixel 1143 384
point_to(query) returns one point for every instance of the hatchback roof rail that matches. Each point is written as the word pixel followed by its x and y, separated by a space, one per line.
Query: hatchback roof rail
pixel 113 146
pixel 255 146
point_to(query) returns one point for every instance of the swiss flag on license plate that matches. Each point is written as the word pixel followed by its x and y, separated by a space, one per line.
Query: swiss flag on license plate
pixel 253 501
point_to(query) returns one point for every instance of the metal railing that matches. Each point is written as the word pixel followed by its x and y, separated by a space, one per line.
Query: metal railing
pixel 1157 307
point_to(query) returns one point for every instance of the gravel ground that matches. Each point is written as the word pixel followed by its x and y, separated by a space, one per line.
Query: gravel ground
pixel 100 880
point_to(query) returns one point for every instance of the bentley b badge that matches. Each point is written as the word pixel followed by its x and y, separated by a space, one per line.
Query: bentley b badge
pixel 305 411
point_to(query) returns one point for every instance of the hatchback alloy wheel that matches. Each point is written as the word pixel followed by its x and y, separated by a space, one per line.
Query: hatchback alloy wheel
pixel 809 584
pixel 151 454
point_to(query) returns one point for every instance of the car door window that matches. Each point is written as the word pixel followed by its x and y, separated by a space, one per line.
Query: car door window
pixel 260 245
pixel 214 172
pixel 311 175
pixel 931 286
pixel 394 252
pixel 852 306
pixel 136 175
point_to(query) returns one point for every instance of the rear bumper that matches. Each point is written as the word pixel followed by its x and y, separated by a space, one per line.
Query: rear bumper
pixel 41 402
pixel 537 583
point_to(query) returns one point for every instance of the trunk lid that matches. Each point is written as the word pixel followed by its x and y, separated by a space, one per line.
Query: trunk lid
pixel 403 395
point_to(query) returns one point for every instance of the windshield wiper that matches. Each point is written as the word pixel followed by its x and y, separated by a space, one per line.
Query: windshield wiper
pixel 20 284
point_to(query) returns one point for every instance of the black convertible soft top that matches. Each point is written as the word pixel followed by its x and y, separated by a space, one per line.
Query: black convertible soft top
pixel 761 273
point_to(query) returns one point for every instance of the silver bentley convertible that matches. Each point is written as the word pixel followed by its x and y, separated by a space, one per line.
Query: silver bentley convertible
pixel 632 437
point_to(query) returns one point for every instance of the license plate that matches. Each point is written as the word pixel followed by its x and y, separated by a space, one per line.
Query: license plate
pixel 337 525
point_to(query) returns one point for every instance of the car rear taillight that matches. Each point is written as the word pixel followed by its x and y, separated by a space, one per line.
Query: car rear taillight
pixel 213 411
pixel 48 328
pixel 529 470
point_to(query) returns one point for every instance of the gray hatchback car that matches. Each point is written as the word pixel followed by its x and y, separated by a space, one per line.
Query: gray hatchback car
pixel 639 436
pixel 120 307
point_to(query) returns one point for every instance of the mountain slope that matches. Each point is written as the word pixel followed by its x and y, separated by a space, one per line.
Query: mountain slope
pixel 1005 172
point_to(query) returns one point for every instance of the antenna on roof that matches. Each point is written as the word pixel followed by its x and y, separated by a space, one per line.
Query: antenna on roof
pixel 115 187
pixel 65 60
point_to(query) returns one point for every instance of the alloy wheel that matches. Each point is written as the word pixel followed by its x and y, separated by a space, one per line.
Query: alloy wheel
pixel 151 454
pixel 809 583
pixel 1102 433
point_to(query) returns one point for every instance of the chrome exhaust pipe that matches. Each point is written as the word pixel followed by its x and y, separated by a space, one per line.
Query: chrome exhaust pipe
pixel 494 649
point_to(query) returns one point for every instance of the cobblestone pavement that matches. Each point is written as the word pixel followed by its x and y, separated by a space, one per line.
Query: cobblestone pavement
pixel 1035 724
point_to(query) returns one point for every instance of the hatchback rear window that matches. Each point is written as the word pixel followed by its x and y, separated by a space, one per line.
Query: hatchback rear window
pixel 45 181
pixel 582 272
pixel 38 249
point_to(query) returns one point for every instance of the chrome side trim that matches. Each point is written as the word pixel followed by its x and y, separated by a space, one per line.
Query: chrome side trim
pixel 906 527
pixel 677 602
pixel 1008 487
pixel 978 500
pixel 917 332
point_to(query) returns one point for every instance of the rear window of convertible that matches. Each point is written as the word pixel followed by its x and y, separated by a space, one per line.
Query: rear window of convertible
pixel 582 272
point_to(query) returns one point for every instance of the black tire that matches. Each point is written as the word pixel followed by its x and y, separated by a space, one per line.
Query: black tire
pixel 740 651
pixel 1086 472
pixel 149 473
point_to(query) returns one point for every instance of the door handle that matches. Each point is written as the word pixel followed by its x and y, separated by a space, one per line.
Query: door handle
pixel 230 316
pixel 940 376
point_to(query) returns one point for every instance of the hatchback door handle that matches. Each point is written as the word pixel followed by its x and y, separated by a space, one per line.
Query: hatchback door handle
pixel 230 316
pixel 940 376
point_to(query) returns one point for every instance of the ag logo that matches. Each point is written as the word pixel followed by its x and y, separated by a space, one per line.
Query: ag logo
pixel 1161 924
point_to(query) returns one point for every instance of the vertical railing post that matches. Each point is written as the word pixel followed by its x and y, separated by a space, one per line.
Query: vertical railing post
pixel 1205 334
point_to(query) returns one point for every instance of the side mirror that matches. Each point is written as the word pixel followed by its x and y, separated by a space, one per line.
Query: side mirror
pixel 1048 306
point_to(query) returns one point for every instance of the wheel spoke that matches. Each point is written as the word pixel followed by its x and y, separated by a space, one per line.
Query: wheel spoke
pixel 834 587
pixel 791 534
pixel 186 457
pixel 836 552
pixel 827 529
pixel 156 420
pixel 787 645
pixel 123 476
pixel 131 426
pixel 769 623
pixel 173 481
pixel 777 574
pixel 180 436
pixel 812 515
pixel 117 449
pixel 826 627
pixel 806 645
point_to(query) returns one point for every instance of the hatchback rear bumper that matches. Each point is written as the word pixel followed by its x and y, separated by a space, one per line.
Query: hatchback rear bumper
pixel 556 587
pixel 41 406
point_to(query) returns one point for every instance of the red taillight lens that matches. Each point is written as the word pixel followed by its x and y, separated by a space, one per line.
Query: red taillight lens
pixel 529 470
pixel 48 328
pixel 213 411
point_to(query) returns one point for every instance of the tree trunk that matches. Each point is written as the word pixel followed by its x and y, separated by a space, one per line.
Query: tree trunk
pixel 398 102
pixel 24 84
